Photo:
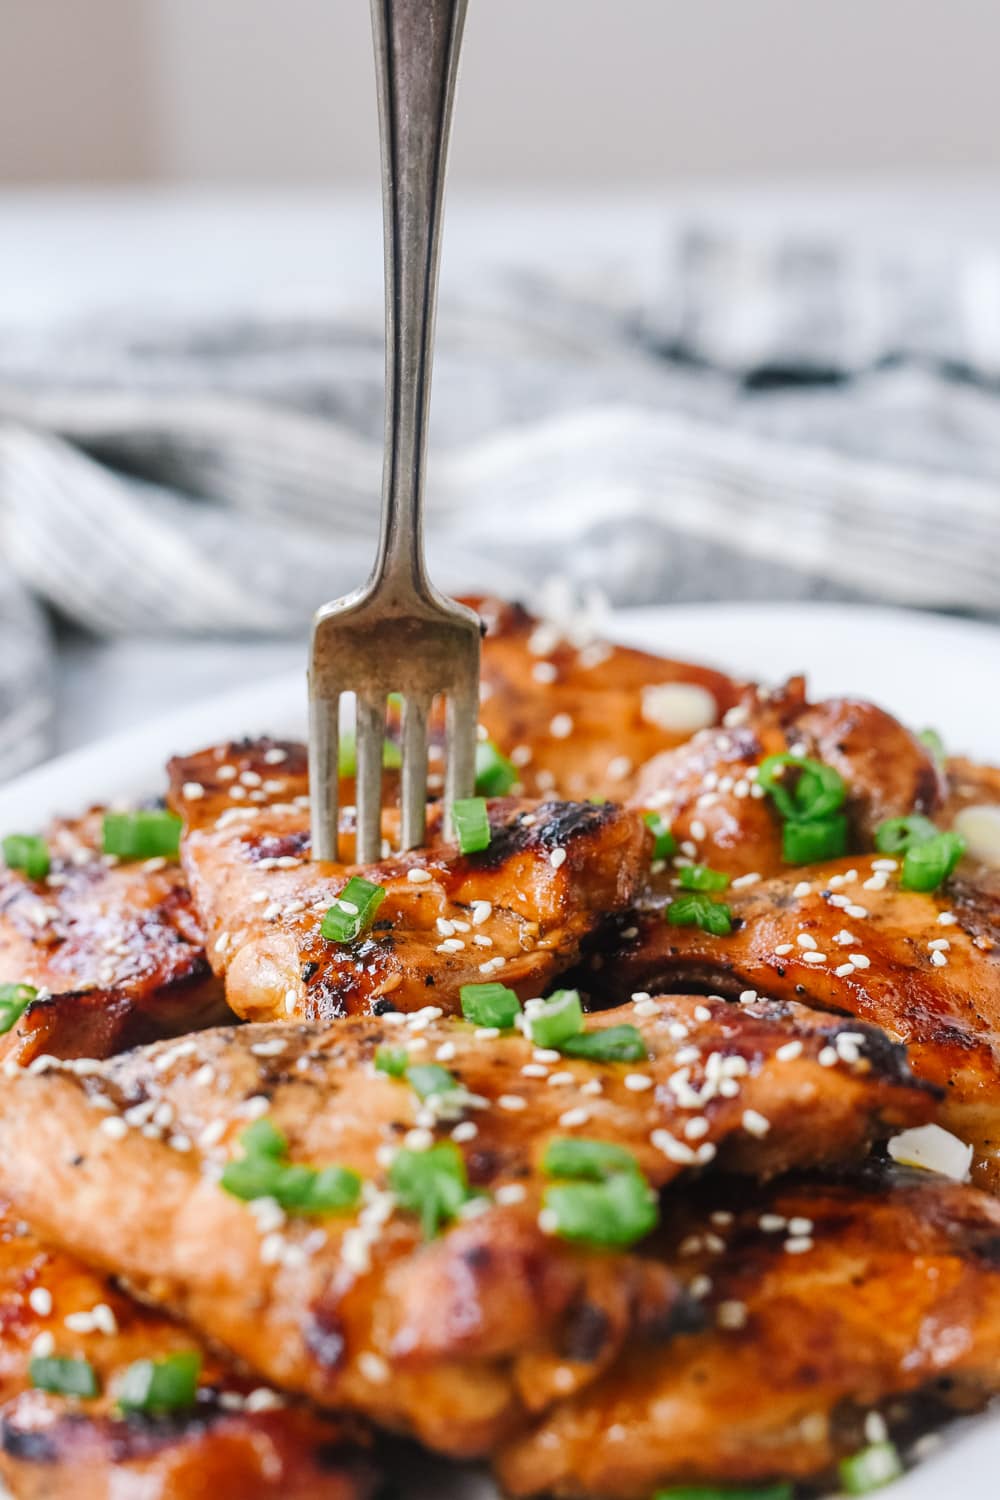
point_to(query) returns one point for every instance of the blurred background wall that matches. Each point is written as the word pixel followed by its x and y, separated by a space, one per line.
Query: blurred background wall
pixel 280 91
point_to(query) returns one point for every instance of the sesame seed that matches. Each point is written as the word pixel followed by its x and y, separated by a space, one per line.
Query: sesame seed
pixel 291 1000
pixel 844 938
pixel 420 1139
pixel 697 1128
pixel 804 940
pixel 789 1051
pixel 451 945
pixel 638 1083
pixel 702 1013
pixel 731 1315
pixel 226 773
pixel 557 858
pixel 44 1345
pixel 947 918
pixel 747 997
pixel 802 889
pixel 842 971
pixel 512 1102
pixel 548 1221
pixel 755 1123
pixel 939 959
pixel 275 756
pixel 115 1127
pixel 744 880
pixel 698 830
pixel 40 1301
pixel 417 876
pixel 465 1130
pixel 481 912
pixel 812 956
pixel 619 768
pixel 856 911
pixel 939 943
pixel 373 1367
pixel 561 727
pixel 800 1226
pixel 798 1244
pixel 545 671
pixel 772 1223
pixel 700 1287
pixel 783 948
pixel 885 864
pixel 521 755
pixel 511 1192
pixel 828 1057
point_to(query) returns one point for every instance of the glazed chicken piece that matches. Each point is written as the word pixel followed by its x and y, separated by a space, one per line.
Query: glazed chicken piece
pixel 239 1442
pixel 579 717
pixel 889 1302
pixel 706 790
pixel 845 936
pixel 453 1339
pixel 519 910
pixel 115 950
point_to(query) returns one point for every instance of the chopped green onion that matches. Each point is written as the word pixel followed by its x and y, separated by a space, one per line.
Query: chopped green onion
pixel 701 878
pixel 430 1078
pixel 928 865
pixel 615 1212
pixel 347 754
pixel 14 1001
pixel 353 910
pixel 264 1173
pixel 263 1138
pixel 150 833
pixel 27 852
pixel 814 791
pixel 664 843
pixel 697 910
pixel 392 1060
pixel 64 1377
pixel 495 774
pixel 489 1005
pixel 586 1160
pixel 431 1183
pixel 159 1386
pixel 552 1021
pixel 472 824
pixel 897 835
pixel 781 1491
pixel 870 1469
pixel 803 843
pixel 934 743
pixel 612 1044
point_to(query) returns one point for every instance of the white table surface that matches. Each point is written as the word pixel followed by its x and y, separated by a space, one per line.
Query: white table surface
pixel 69 255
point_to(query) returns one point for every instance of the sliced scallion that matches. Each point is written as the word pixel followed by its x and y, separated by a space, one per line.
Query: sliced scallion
pixel 811 790
pixel 610 1044
pixel 27 852
pixel 352 911
pixel 392 1060
pixel 64 1377
pixel 495 774
pixel 664 843
pixel 550 1022
pixel 812 839
pixel 14 1001
pixel 898 835
pixel 701 878
pixel 158 1386
pixel 472 824
pixel 928 865
pixel 870 1469
pixel 489 1005
pixel 149 833
pixel 432 1184
pixel 698 910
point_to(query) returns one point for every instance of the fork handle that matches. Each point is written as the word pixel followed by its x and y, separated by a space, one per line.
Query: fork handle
pixel 416 57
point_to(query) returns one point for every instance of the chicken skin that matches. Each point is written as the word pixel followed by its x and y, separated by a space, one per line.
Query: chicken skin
pixel 239 1441
pixel 458 1337
pixel 579 719
pixel 115 950
pixel 707 789
pixel 828 1302
pixel 519 910
pixel 925 966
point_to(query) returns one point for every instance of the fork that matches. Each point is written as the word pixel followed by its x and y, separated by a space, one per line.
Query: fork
pixel 397 634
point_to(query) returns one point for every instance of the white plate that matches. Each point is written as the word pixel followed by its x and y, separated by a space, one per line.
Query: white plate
pixel 929 671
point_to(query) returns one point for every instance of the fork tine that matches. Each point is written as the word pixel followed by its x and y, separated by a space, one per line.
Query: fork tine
pixel 370 738
pixel 460 777
pixel 413 781
pixel 324 775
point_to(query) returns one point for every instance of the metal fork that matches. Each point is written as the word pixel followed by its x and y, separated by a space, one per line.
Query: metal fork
pixel 397 633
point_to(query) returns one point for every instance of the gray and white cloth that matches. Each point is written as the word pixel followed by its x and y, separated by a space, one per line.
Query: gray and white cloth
pixel 787 420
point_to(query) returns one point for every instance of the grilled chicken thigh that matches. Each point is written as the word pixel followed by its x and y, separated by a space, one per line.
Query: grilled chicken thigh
pixel 579 717
pixel 114 949
pixel 925 966
pixel 239 1441
pixel 706 788
pixel 519 910
pixel 453 1339
pixel 827 1302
